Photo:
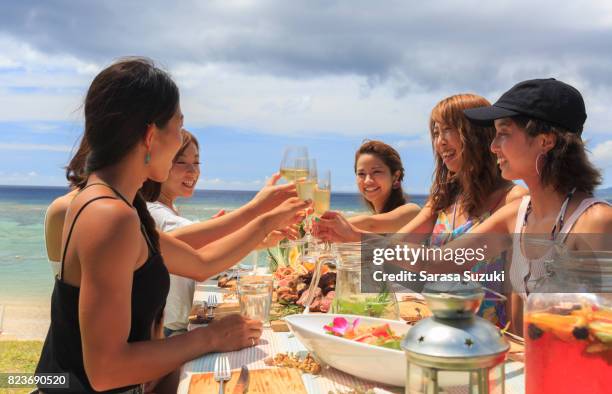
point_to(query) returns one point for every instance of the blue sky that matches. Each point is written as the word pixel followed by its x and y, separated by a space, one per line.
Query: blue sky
pixel 256 76
pixel 232 158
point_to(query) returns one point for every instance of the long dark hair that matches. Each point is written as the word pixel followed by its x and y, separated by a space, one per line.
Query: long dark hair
pixel 151 190
pixel 122 101
pixel 392 159
pixel 479 175
pixel 75 170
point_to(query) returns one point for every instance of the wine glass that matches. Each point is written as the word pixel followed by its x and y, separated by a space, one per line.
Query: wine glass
pixel 322 198
pixel 292 165
pixel 305 187
pixel 322 193
pixel 324 253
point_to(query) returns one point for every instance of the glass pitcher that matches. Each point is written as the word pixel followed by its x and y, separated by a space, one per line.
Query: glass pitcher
pixel 349 299
pixel 568 325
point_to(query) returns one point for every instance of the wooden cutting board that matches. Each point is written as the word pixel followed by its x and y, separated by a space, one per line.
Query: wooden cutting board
pixel 262 381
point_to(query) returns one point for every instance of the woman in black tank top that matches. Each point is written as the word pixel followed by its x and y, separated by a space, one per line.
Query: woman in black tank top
pixel 113 279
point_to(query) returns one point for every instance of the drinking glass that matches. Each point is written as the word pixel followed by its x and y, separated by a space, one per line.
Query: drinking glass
pixel 255 297
pixel 292 157
pixel 305 188
pixel 306 185
pixel 322 197
pixel 322 193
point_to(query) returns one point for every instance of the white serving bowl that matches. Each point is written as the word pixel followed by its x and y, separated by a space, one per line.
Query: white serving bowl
pixel 379 364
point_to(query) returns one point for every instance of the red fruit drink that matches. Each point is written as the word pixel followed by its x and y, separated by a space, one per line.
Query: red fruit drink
pixel 568 353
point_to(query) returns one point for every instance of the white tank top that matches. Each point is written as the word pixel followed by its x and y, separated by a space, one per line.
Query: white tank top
pixel 519 269
pixel 55 265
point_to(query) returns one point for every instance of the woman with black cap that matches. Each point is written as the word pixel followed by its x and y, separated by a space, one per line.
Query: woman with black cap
pixel 538 127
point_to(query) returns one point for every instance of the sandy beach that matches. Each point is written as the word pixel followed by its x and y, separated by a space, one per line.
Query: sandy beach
pixel 25 321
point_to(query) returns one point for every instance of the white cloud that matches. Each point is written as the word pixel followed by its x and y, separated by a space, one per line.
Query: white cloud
pixel 602 154
pixel 38 147
pixel 300 68
pixel 418 142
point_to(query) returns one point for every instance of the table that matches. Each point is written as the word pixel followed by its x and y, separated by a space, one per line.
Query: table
pixel 330 379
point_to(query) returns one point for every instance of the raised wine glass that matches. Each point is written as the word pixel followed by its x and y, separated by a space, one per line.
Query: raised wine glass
pixel 305 187
pixel 292 165
pixel 322 193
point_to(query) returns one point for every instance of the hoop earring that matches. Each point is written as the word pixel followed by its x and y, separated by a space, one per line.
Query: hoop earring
pixel 537 162
pixel 148 158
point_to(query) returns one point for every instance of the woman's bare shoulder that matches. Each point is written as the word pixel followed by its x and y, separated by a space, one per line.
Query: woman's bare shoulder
pixel 502 220
pixel 408 208
pixel 516 193
pixel 108 214
pixel 595 219
pixel 58 207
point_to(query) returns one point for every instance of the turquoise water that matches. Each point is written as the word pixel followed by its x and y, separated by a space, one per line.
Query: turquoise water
pixel 25 274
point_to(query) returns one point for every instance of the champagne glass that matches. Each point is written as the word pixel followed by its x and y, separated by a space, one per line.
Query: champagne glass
pixel 306 185
pixel 322 198
pixel 293 157
pixel 305 188
pixel 322 193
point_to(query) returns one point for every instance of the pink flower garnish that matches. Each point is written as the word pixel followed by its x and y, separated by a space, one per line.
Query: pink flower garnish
pixel 340 326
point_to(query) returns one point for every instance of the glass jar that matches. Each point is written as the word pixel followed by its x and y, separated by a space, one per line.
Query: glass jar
pixel 349 298
pixel 568 325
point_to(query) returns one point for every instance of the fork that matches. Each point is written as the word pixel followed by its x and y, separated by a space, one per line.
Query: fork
pixel 212 304
pixel 222 372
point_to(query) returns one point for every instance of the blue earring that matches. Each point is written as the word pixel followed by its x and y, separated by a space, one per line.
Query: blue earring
pixel 148 158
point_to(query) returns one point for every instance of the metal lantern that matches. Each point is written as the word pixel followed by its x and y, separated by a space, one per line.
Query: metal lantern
pixel 454 349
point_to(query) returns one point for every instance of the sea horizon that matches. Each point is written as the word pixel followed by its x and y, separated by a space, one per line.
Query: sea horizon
pixel 25 273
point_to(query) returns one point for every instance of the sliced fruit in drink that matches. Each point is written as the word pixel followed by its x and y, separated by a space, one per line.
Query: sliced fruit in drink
pixel 602 315
pixel 597 347
pixel 534 331
pixel 602 331
pixel 580 333
pixel 561 325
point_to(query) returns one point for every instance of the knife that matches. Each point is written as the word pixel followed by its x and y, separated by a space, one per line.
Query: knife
pixel 243 381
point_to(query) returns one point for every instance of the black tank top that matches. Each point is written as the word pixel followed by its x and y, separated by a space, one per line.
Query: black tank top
pixel 62 351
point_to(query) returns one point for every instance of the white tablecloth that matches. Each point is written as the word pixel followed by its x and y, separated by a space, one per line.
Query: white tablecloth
pixel 283 342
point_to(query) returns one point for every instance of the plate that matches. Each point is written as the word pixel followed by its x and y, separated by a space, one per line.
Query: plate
pixel 379 364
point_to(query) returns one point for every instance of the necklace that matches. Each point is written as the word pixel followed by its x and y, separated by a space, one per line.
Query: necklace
pixel 560 216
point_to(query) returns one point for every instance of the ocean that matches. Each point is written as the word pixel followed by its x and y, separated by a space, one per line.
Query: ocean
pixel 25 274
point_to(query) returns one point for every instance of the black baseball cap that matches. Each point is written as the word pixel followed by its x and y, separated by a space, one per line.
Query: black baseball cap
pixel 545 99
